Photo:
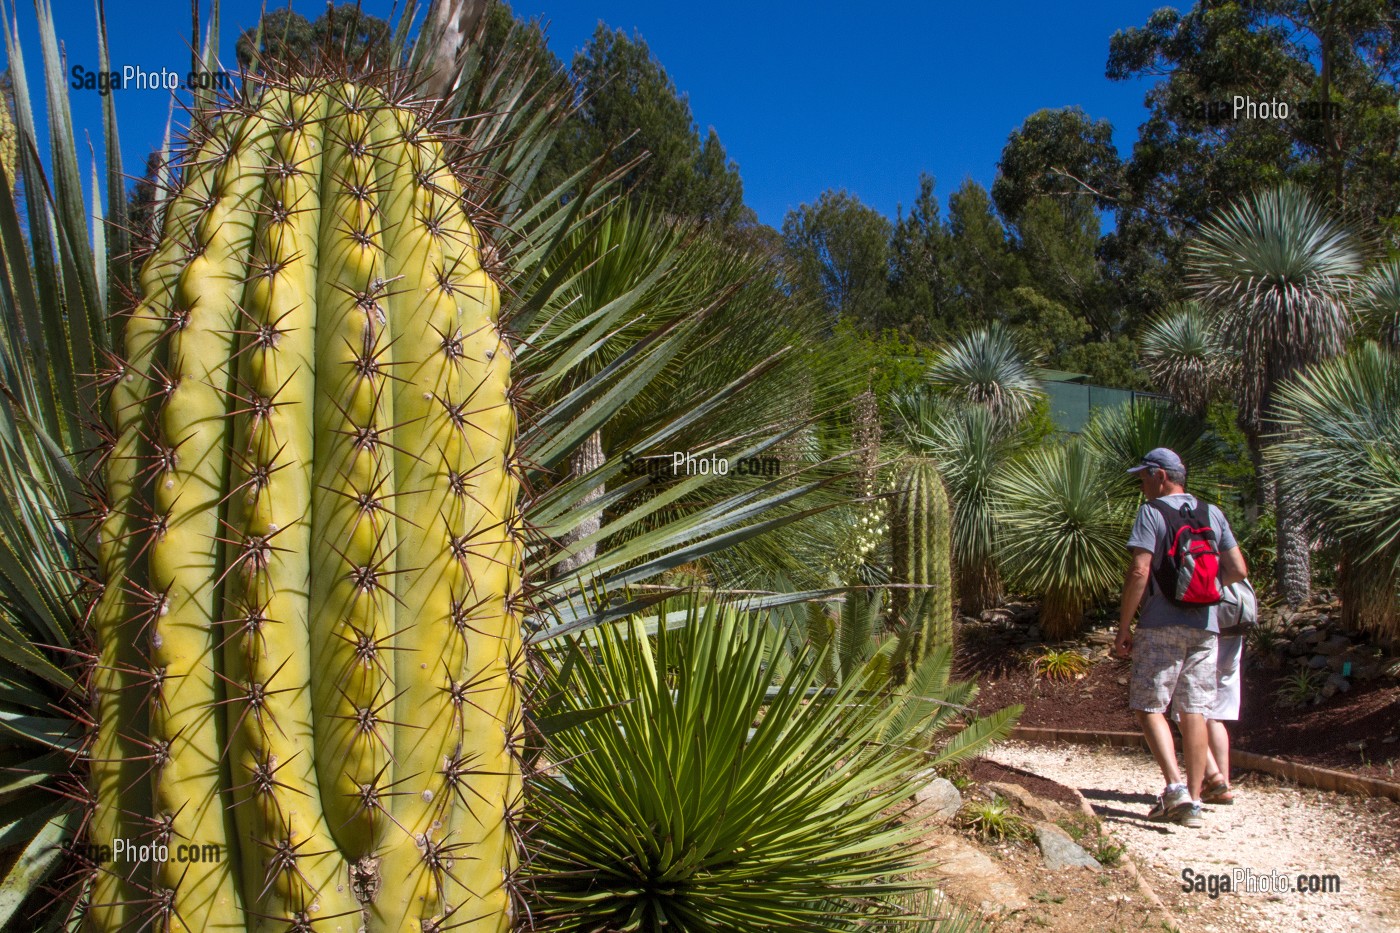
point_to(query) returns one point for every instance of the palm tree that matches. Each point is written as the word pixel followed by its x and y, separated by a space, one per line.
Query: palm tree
pixel 1277 270
pixel 1185 358
pixel 1339 442
pixel 1063 530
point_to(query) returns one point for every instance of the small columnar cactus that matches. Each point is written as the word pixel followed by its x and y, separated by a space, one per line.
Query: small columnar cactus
pixel 307 635
pixel 920 538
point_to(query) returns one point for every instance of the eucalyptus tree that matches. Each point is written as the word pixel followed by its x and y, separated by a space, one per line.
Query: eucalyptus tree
pixel 1277 269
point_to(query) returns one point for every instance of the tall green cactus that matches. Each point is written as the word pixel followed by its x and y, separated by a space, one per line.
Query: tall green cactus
pixel 920 534
pixel 308 646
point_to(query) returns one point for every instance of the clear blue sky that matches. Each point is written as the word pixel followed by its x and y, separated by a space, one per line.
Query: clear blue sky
pixel 805 96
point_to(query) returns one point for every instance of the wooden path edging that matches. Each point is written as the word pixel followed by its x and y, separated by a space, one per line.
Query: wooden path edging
pixel 1307 775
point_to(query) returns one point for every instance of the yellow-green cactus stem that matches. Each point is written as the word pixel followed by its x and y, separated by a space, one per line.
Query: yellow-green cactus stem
pixel 328 538
pixel 920 537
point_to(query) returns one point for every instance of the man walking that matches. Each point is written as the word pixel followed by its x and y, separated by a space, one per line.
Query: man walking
pixel 1174 649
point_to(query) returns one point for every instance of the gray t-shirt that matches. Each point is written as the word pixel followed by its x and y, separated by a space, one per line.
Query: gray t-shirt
pixel 1150 533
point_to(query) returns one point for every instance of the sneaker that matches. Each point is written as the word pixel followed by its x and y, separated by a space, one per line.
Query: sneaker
pixel 1188 815
pixel 1169 804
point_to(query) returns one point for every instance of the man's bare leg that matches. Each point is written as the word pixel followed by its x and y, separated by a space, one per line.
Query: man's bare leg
pixel 1195 743
pixel 1159 740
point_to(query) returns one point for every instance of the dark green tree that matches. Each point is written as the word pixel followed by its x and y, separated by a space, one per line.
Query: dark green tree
pixel 343 31
pixel 629 108
pixel 920 287
pixel 1061 153
pixel 1334 62
pixel 838 251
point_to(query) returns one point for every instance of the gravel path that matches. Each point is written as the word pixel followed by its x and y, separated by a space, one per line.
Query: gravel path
pixel 1268 829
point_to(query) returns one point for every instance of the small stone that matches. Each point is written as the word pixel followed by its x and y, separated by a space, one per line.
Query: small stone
pixel 1317 662
pixel 1060 851
pixel 1339 683
pixel 1334 645
pixel 941 798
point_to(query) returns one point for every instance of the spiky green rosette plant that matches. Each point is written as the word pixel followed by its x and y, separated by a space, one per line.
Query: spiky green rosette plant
pixel 920 543
pixel 307 639
pixel 1063 531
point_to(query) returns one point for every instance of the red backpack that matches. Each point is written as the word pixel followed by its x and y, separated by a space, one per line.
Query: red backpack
pixel 1188 574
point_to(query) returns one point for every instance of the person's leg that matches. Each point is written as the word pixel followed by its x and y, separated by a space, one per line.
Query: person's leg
pixel 1159 739
pixel 1196 748
pixel 1195 699
pixel 1218 764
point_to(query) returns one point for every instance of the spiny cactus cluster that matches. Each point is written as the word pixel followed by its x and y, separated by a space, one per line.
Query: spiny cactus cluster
pixel 307 633
pixel 920 543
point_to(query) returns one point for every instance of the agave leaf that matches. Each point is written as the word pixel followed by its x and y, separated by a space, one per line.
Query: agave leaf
pixel 35 862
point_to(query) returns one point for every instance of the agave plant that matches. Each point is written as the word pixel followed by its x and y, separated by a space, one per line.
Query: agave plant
pixel 1340 448
pixel 1063 531
pixel 1185 357
pixel 985 367
pixel 1278 271
pixel 750 803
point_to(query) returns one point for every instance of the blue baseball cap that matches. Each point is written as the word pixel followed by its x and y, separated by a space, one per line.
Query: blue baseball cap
pixel 1162 459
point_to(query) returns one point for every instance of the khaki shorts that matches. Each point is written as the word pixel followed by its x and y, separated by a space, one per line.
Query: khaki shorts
pixel 1173 663
pixel 1226 708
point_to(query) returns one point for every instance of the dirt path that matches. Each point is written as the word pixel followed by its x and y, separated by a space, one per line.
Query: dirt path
pixel 1274 832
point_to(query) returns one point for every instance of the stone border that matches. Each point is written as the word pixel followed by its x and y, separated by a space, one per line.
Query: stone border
pixel 1306 775
pixel 1088 810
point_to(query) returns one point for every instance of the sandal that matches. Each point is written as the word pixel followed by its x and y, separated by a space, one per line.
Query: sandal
pixel 1217 792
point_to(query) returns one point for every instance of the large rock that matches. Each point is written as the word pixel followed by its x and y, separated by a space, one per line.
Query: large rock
pixel 938 800
pixel 1060 851
pixel 1038 807
pixel 971 878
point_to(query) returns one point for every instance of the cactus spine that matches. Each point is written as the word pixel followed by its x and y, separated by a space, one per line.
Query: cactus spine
pixel 920 531
pixel 307 636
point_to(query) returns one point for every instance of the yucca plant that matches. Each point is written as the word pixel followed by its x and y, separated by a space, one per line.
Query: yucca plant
pixel 1340 448
pixel 1378 301
pixel 1185 357
pixel 1062 531
pixel 1277 271
pixel 987 368
pixel 1124 433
